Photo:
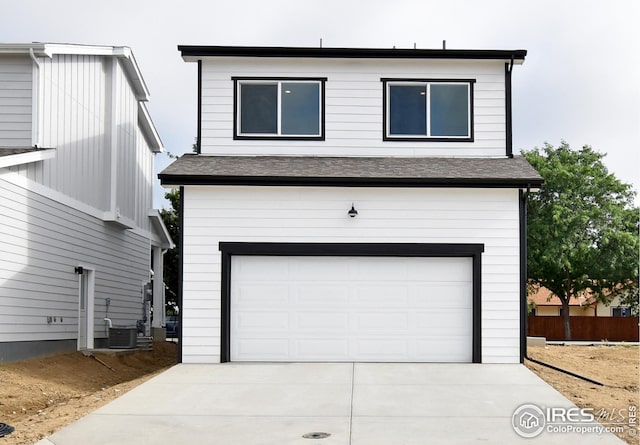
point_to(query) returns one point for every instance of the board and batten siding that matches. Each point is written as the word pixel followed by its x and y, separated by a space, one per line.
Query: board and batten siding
pixel 89 114
pixel 16 80
pixel 141 180
pixel 296 214
pixel 134 169
pixel 353 104
pixel 73 107
pixel 42 243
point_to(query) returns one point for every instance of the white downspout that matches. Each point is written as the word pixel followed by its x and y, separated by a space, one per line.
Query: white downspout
pixel 158 288
pixel 35 101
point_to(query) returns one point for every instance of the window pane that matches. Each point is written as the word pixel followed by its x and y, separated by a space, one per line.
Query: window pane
pixel 258 108
pixel 300 108
pixel 407 110
pixel 449 110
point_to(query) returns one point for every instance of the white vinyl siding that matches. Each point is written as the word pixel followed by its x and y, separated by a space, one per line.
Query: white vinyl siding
pixel 280 214
pixel 16 80
pixel 353 106
pixel 42 242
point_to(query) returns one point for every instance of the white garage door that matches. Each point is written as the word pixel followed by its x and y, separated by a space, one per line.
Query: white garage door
pixel 379 309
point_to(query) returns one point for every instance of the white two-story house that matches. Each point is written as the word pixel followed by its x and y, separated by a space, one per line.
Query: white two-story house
pixel 77 226
pixel 353 205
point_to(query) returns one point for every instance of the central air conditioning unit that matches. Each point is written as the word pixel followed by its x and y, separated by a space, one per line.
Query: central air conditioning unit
pixel 123 338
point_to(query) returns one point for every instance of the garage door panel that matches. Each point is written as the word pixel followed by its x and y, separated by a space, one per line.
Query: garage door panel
pixel 261 295
pixel 253 267
pixel 376 322
pixel 322 321
pixel 351 309
pixel 441 269
pixel 382 295
pixel 442 295
pixel 257 349
pixel 319 269
pixel 362 269
pixel 318 294
pixel 261 321
pixel 380 349
pixel 444 349
pixel 322 349
pixel 444 323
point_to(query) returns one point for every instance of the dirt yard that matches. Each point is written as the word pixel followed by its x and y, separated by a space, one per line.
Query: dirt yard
pixel 40 396
pixel 614 366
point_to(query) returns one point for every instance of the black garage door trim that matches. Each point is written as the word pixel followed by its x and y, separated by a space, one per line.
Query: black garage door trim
pixel 229 249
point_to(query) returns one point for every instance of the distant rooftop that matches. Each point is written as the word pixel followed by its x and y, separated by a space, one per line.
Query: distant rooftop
pixel 43 49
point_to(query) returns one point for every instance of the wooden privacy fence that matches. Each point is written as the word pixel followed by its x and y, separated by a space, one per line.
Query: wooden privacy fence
pixel 584 328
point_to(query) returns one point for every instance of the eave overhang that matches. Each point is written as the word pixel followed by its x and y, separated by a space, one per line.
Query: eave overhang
pixel 192 53
pixel 160 229
pixel 513 172
pixel 149 130
pixel 11 156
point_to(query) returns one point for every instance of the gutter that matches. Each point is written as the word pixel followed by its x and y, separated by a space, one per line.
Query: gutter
pixel 35 98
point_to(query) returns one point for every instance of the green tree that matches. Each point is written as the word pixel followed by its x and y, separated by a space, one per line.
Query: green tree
pixel 582 227
pixel 171 220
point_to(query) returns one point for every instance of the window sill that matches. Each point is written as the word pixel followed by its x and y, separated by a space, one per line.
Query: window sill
pixel 278 138
pixel 426 139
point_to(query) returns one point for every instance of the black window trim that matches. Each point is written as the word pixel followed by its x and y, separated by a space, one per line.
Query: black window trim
pixel 236 108
pixel 386 137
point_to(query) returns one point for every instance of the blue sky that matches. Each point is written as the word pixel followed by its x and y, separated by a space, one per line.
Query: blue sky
pixel 579 81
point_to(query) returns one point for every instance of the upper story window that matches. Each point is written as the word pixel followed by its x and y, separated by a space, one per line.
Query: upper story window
pixel 268 108
pixel 427 109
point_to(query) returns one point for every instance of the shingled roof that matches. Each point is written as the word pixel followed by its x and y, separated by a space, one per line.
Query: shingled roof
pixel 8 151
pixel 351 171
pixel 11 156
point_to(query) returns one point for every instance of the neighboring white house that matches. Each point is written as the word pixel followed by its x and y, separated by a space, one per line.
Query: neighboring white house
pixel 353 205
pixel 76 218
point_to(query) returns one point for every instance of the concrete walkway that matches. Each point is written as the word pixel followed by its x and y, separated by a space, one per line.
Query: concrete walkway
pixel 358 404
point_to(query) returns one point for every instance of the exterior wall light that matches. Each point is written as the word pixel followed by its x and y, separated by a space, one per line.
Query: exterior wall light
pixel 353 212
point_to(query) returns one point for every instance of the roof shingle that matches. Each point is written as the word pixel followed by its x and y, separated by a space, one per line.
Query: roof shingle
pixel 8 151
pixel 350 171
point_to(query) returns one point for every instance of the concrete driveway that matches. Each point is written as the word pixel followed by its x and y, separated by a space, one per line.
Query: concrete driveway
pixel 359 404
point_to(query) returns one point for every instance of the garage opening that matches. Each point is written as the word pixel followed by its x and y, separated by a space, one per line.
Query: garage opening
pixel 397 303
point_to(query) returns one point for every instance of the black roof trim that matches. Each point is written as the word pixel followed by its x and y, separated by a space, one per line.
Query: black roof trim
pixel 347 182
pixel 351 53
